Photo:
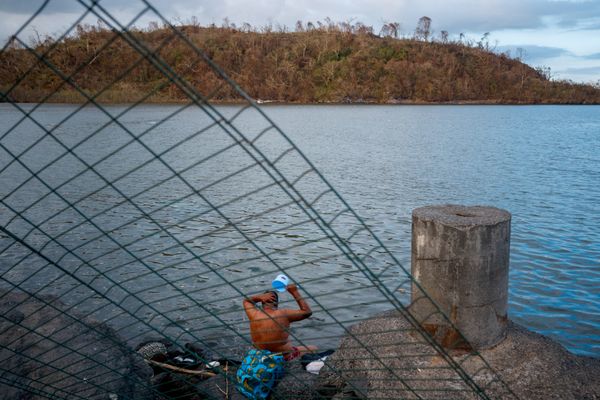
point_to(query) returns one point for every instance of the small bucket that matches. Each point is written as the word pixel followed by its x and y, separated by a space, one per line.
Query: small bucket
pixel 280 283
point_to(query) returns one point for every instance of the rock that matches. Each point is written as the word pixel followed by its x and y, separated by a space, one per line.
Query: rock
pixel 45 352
pixel 533 366
pixel 216 387
pixel 178 386
pixel 297 383
pixel 346 394
pixel 15 316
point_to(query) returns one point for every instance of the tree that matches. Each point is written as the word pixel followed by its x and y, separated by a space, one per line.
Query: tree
pixel 545 72
pixel 423 29
pixel 395 28
pixel 484 43
pixel 362 29
pixel 347 26
pixel 444 36
pixel 520 54
pixel 390 29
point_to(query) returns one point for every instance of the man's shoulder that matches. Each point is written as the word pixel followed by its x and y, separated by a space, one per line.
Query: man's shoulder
pixel 257 312
pixel 285 312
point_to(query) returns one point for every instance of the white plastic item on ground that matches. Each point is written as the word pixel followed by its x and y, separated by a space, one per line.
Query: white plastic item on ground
pixel 315 366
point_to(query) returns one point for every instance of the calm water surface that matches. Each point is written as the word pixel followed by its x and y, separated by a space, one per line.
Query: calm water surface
pixel 542 163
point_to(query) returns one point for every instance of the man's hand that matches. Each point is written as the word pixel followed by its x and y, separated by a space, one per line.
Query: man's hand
pixel 267 297
pixel 292 287
pixel 262 298
pixel 250 303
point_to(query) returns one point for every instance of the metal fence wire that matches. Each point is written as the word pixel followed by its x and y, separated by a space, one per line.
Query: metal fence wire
pixel 127 224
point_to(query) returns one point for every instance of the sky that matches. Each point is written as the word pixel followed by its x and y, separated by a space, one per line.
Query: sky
pixel 561 34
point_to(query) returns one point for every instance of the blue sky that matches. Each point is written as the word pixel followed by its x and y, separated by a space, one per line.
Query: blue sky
pixel 561 34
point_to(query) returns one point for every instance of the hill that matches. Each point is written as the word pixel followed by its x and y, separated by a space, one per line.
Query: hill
pixel 330 63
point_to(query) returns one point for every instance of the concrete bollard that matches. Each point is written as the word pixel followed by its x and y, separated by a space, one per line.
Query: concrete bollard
pixel 460 257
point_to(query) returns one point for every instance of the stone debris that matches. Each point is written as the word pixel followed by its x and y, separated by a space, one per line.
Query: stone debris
pixel 44 350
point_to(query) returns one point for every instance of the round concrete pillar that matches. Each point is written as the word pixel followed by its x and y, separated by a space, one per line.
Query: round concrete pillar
pixel 460 258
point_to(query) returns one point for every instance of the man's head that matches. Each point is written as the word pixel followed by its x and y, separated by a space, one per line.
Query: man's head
pixel 271 299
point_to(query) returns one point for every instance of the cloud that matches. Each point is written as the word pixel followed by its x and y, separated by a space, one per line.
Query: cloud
pixel 576 14
pixel 534 52
pixel 565 64
pixel 579 74
pixel 29 7
pixel 52 7
pixel 582 71
pixel 455 16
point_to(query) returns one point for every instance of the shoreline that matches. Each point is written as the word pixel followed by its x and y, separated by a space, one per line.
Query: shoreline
pixel 260 102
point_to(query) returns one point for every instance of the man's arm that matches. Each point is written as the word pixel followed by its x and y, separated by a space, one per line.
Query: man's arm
pixel 250 303
pixel 304 311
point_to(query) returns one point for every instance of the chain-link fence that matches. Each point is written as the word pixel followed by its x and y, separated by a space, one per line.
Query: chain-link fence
pixel 122 225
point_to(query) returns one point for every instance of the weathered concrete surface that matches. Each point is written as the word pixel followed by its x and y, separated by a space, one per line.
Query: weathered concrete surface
pixel 79 355
pixel 460 257
pixel 533 366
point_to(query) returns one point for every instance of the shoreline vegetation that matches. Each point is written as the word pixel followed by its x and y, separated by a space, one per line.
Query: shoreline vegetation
pixel 322 63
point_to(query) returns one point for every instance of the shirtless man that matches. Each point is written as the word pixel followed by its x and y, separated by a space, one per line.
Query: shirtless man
pixel 269 326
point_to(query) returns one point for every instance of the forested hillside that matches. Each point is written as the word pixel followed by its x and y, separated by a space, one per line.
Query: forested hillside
pixel 327 63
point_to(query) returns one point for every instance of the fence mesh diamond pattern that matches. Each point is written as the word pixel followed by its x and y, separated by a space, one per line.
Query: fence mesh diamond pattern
pixel 121 223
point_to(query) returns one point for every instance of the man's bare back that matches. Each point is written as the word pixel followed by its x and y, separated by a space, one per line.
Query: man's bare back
pixel 269 326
